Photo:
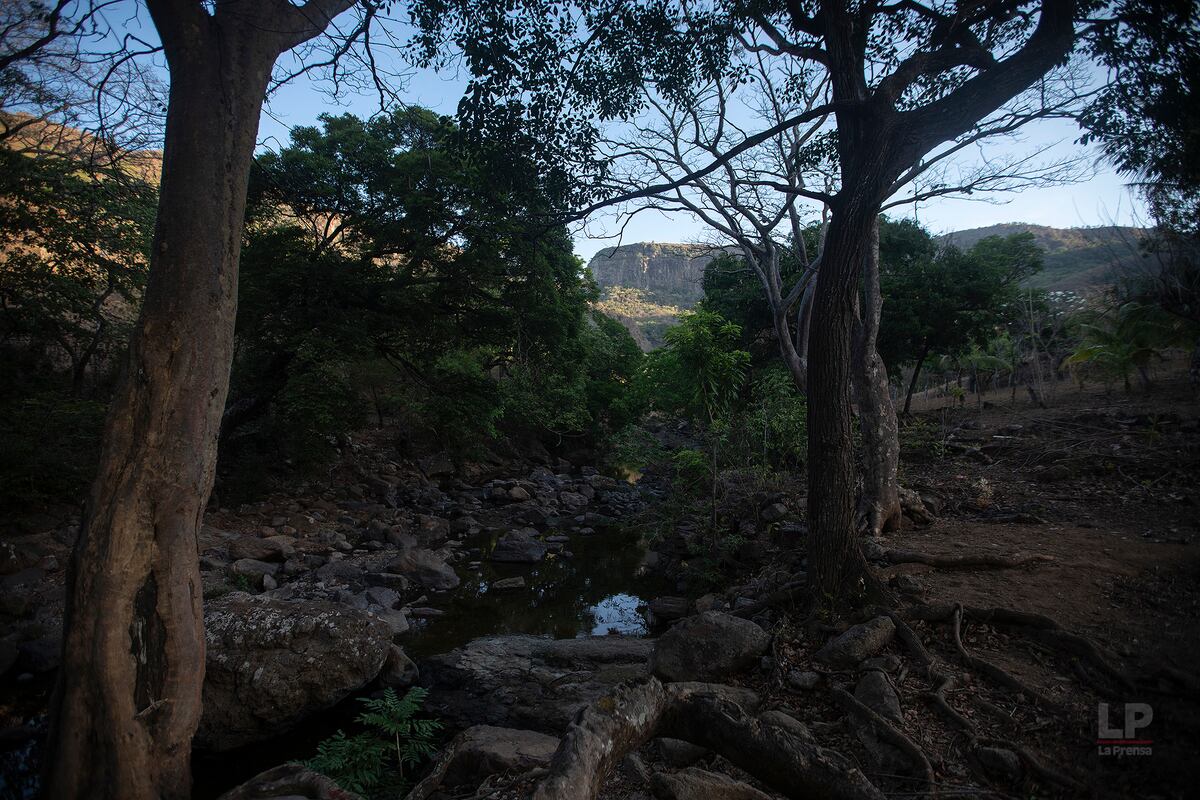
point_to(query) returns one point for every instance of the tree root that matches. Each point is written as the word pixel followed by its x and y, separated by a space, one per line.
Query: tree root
pixel 1047 774
pixel 888 732
pixel 792 590
pixel 771 746
pixel 974 561
pixel 991 670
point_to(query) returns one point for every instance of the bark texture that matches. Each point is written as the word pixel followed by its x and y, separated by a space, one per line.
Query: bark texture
pixel 129 691
pixel 879 504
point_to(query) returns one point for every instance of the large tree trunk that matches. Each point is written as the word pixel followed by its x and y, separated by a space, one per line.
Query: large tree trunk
pixel 838 573
pixel 128 698
pixel 879 506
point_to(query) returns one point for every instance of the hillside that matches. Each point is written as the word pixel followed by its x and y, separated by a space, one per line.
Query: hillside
pixel 1076 258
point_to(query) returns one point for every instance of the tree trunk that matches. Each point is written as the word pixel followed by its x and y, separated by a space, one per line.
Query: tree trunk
pixel 879 507
pixel 912 383
pixel 128 697
pixel 838 573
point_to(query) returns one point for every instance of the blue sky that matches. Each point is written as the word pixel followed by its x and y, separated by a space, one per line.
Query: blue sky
pixel 1102 200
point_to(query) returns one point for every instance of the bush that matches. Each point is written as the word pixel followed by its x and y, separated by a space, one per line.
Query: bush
pixel 51 444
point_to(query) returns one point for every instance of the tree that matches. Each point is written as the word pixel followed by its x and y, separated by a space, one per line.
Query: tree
pixel 128 699
pixel 907 87
pixel 944 301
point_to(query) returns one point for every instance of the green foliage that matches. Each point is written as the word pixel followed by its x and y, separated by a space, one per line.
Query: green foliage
pixel 1119 340
pixel 700 370
pixel 777 415
pixel 373 762
pixel 51 443
pixel 947 300
pixel 922 440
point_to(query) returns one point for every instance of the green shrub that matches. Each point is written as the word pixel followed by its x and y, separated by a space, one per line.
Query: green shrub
pixel 373 763
pixel 51 444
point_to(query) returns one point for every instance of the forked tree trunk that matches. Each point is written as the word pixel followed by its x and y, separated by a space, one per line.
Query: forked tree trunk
pixel 879 505
pixel 838 572
pixel 128 697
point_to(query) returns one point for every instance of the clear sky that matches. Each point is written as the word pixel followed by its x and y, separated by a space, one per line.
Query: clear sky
pixel 1102 200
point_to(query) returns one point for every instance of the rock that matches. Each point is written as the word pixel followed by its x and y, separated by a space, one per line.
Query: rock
pixel 803 681
pixel 382 596
pixel 339 571
pixel 253 568
pixel 436 465
pixel 252 547
pixel 399 671
pixel 634 768
pixel 666 609
pixel 999 763
pixel 397 621
pixel 519 547
pixel 875 691
pixel 271 663
pixel 861 641
pixel 484 750
pixel 678 753
pixel 427 569
pixel 694 783
pixel 269 583
pixel 914 508
pixel 288 782
pixel 528 681
pixel 572 501
pixel 774 512
pixel 508 584
pixel 708 646
pixel 518 494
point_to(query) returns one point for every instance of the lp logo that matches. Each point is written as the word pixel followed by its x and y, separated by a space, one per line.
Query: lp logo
pixel 1137 715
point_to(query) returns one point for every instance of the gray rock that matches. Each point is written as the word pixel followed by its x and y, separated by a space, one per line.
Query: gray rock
pixel 803 681
pixel 694 783
pixel 426 568
pixel 484 750
pixel 875 691
pixel 271 663
pixel 508 584
pixel 518 494
pixel 707 647
pixel 382 596
pixel 666 609
pixel 774 512
pixel 258 549
pixel 399 671
pixel 678 753
pixel 252 568
pixel 519 547
pixel 288 782
pixel 339 570
pixel 861 641
pixel 528 681
pixel 397 621
pixel 999 763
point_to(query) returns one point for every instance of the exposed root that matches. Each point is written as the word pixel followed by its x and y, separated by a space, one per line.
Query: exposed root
pixel 991 670
pixel 772 746
pixel 888 732
pixel 1047 774
pixel 974 561
pixel 789 592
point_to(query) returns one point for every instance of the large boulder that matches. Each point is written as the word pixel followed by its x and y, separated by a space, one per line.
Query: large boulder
pixel 856 644
pixel 694 783
pixel 289 782
pixel 519 547
pixel 484 750
pixel 528 681
pixel 708 647
pixel 426 568
pixel 271 663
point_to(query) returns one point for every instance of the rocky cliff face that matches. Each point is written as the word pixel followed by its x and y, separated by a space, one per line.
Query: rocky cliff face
pixel 670 274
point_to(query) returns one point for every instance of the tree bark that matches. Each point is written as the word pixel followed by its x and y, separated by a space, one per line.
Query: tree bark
pixel 838 572
pixel 912 383
pixel 128 698
pixel 879 506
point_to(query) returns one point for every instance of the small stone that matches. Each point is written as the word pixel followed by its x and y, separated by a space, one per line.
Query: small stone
pixel 269 583
pixel 508 584
pixel 774 512
pixel 858 643
pixel 803 681
pixel 1000 763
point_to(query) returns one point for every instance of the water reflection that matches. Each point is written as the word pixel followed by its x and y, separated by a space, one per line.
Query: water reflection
pixel 597 591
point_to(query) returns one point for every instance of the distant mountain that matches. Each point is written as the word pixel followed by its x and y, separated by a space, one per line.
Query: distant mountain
pixel 1077 259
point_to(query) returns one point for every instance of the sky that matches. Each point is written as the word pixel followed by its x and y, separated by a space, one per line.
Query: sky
pixel 1103 199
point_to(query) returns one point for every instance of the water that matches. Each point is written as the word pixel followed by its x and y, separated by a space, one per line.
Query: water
pixel 598 591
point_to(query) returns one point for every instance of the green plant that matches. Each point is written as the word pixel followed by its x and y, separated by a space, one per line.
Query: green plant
pixel 374 761
pixel 922 439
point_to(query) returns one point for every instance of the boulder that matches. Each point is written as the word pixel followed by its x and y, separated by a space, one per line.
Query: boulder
pixel 484 750
pixel 708 647
pixel 519 547
pixel 678 753
pixel 276 548
pixel 289 782
pixel 875 692
pixel 666 609
pixel 399 671
pixel 253 568
pixel 528 681
pixel 694 783
pixel 774 512
pixel 860 642
pixel 426 568
pixel 508 584
pixel 271 663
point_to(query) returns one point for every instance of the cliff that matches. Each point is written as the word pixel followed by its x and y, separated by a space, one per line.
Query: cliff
pixel 668 274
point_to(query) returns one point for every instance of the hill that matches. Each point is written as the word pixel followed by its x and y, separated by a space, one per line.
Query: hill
pixel 1077 259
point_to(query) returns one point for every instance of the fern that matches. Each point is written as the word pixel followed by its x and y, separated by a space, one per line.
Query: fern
pixel 373 762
